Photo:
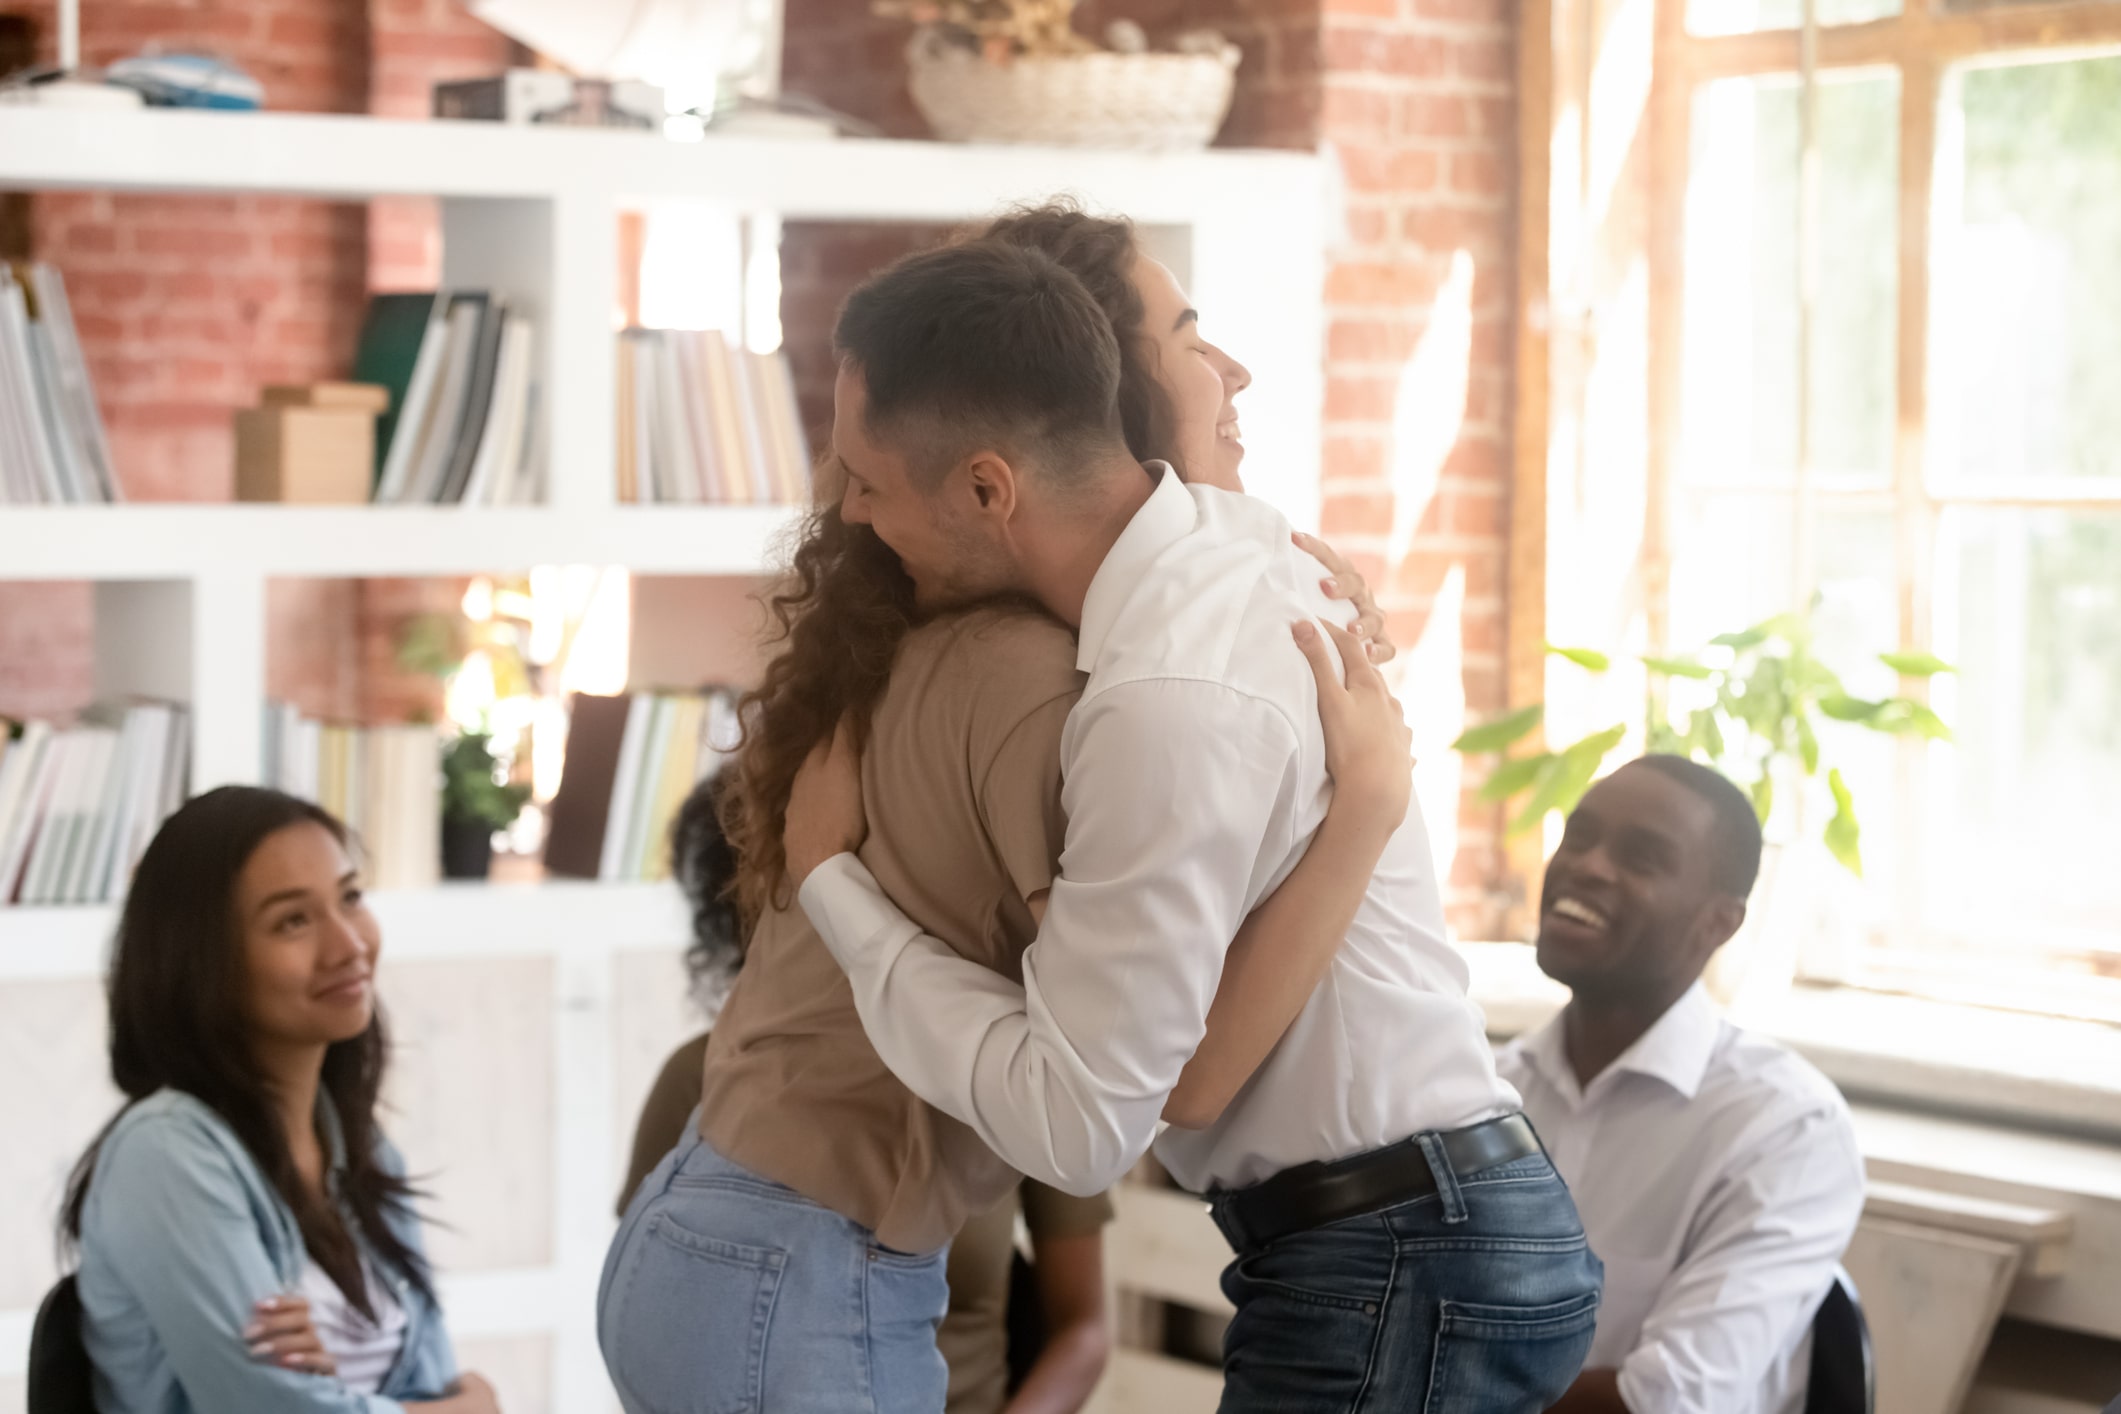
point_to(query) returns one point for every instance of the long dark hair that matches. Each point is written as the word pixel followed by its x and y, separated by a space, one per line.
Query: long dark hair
pixel 838 617
pixel 176 1022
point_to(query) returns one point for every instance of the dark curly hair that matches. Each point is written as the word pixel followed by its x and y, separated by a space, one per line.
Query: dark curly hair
pixel 704 864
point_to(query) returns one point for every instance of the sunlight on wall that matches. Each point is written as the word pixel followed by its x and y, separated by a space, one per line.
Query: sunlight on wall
pixel 1429 675
pixel 1620 97
pixel 1429 680
pixel 1430 406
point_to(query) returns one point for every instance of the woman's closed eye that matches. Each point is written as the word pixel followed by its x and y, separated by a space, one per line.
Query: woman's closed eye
pixel 290 923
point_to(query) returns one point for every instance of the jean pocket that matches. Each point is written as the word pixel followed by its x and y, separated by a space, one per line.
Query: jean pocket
pixel 687 1321
pixel 1345 1272
pixel 1508 1359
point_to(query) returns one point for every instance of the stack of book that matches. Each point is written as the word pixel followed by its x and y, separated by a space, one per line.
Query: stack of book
pixel 52 447
pixel 385 783
pixel 631 761
pixel 79 804
pixel 702 419
pixel 461 370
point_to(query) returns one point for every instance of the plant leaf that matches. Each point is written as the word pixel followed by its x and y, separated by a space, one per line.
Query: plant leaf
pixel 1844 708
pixel 1513 776
pixel 1587 658
pixel 1763 794
pixel 1807 745
pixel 1679 668
pixel 1903 716
pixel 1501 733
pixel 1844 836
pixel 1916 664
pixel 1571 775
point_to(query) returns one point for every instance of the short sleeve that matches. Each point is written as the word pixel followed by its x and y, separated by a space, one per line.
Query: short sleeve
pixel 1048 1212
pixel 1020 797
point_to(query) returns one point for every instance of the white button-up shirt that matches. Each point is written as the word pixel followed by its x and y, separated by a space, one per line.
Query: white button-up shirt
pixel 1718 1178
pixel 1193 778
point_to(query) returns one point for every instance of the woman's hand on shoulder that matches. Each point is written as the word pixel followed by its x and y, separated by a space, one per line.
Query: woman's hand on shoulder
pixel 1346 582
pixel 1369 748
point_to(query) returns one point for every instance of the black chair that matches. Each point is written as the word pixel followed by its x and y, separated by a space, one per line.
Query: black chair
pixel 1844 1376
pixel 59 1378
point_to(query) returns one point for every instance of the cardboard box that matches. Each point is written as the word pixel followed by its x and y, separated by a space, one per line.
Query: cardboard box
pixel 309 445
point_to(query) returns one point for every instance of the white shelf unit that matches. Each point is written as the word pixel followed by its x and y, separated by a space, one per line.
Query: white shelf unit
pixel 533 214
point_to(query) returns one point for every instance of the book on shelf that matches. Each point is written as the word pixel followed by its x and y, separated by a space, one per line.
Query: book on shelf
pixel 631 762
pixel 53 450
pixel 78 804
pixel 702 419
pixel 460 427
pixel 384 782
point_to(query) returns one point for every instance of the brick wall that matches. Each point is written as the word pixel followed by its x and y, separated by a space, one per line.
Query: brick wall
pixel 1418 102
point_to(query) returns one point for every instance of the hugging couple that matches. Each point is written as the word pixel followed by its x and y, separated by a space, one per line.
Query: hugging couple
pixel 1070 822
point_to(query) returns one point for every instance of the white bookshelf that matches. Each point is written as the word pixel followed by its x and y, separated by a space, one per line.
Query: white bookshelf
pixel 533 214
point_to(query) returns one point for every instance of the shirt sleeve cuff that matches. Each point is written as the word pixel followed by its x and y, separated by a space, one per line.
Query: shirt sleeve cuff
pixel 847 907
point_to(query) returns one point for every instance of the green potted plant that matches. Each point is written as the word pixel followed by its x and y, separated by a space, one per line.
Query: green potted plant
pixel 1751 707
pixel 476 801
pixel 1752 704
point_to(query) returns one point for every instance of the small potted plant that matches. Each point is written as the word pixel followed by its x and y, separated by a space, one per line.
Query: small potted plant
pixel 1751 704
pixel 476 801
pixel 1017 71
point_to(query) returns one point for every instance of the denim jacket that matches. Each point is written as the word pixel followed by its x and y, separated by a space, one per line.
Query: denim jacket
pixel 181 1236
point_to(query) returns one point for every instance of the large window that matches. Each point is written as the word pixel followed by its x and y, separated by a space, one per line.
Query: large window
pixel 1880 352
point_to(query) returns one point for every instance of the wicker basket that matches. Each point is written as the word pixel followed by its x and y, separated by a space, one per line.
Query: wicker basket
pixel 1162 102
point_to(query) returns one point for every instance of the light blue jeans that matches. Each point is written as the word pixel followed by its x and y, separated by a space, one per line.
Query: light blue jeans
pixel 725 1293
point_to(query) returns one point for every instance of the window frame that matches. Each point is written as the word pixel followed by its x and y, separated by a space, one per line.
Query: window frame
pixel 1923 45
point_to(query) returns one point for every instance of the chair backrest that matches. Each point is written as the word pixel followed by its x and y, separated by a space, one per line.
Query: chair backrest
pixel 60 1381
pixel 1844 1377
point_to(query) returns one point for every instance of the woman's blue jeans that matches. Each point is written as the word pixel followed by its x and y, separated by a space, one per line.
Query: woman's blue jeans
pixel 1478 1299
pixel 725 1293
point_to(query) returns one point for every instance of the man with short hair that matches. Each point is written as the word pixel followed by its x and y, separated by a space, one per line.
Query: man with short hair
pixel 1716 1171
pixel 1403 1242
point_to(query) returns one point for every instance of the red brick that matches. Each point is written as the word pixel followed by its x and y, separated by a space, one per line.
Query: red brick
pixel 1355 458
pixel 1351 111
pixel 1376 283
pixel 1474 512
pixel 1393 170
pixel 192 242
pixel 1435 115
pixel 1355 514
pixel 1364 50
pixel 1479 174
pixel 1494 60
pixel 1371 340
pixel 1351 398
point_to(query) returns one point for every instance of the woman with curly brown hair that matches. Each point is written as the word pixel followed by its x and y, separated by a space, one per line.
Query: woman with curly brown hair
pixel 813 1197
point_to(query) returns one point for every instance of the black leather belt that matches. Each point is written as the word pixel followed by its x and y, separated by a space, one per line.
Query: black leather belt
pixel 1312 1195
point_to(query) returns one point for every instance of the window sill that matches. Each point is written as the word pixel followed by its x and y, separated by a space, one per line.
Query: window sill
pixel 2030 1072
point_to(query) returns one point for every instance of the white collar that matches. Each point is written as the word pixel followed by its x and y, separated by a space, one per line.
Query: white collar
pixel 1676 1050
pixel 1163 520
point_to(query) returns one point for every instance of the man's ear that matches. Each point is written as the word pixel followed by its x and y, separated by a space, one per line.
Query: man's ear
pixel 994 484
pixel 1719 921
